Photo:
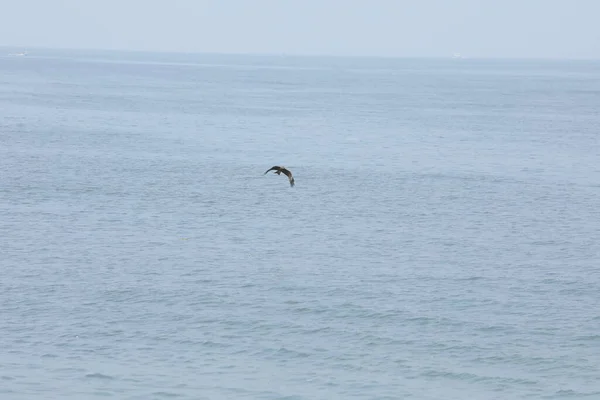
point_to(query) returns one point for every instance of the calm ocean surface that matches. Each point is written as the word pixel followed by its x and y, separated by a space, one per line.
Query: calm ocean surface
pixel 442 240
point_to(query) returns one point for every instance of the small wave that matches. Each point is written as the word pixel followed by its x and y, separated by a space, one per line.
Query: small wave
pixel 210 343
pixel 103 394
pixel 575 394
pixel 166 394
pixel 98 375
pixel 471 278
pixel 467 376
pixel 282 351
pixel 588 337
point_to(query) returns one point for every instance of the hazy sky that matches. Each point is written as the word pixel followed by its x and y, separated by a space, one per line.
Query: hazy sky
pixel 475 28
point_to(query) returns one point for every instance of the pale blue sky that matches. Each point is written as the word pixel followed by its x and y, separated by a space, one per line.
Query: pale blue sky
pixel 475 28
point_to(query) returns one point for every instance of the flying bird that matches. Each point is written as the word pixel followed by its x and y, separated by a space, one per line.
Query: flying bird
pixel 279 170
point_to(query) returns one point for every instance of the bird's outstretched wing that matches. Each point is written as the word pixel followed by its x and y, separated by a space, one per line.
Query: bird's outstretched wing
pixel 289 175
pixel 275 167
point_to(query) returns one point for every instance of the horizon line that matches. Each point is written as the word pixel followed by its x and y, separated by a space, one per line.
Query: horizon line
pixel 298 55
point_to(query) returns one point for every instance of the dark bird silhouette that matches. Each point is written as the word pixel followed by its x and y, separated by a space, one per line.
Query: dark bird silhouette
pixel 279 170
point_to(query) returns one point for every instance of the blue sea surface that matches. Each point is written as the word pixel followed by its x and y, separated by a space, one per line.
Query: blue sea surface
pixel 442 240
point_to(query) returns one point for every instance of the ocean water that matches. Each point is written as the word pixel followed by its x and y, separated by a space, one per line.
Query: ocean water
pixel 442 240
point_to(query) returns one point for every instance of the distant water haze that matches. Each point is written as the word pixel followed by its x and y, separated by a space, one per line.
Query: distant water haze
pixel 428 28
